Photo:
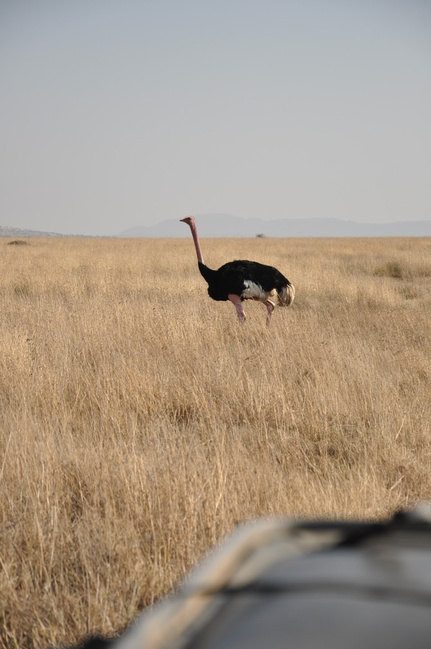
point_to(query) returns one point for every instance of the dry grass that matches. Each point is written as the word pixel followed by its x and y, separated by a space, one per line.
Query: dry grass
pixel 140 422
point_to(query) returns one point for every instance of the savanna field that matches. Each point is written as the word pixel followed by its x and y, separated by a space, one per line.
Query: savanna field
pixel 140 422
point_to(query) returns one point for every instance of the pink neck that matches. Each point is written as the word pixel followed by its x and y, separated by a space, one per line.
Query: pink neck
pixel 196 241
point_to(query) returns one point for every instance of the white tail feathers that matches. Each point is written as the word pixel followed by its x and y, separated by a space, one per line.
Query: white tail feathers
pixel 286 295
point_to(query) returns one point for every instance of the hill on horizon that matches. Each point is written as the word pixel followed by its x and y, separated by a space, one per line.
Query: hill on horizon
pixel 6 231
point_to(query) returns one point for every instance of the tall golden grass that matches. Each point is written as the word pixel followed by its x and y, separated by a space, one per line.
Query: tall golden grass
pixel 140 422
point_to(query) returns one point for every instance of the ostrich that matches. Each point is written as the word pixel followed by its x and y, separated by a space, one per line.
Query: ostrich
pixel 243 280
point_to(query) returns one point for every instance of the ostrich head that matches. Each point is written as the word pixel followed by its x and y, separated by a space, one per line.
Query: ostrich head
pixel 188 219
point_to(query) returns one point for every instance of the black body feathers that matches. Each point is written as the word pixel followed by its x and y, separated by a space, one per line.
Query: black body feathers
pixel 235 276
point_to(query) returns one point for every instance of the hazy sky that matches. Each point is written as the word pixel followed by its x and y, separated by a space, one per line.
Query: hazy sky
pixel 129 112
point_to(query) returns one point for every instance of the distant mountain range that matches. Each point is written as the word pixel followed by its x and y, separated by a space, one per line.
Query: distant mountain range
pixel 225 225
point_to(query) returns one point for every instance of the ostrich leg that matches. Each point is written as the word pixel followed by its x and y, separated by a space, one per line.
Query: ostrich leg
pixel 270 308
pixel 236 301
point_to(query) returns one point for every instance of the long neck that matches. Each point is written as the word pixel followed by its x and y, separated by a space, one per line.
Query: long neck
pixel 196 241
